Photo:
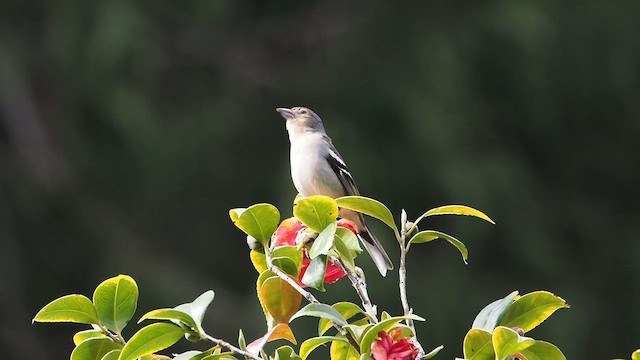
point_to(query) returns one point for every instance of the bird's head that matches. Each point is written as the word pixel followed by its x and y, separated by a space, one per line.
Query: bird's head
pixel 301 120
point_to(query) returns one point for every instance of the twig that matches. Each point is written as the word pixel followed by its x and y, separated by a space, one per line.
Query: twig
pixel 402 283
pixel 231 347
pixel 361 289
pixel 312 299
pixel 114 337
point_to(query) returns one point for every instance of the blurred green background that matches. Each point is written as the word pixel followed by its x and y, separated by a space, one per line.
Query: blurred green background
pixel 128 129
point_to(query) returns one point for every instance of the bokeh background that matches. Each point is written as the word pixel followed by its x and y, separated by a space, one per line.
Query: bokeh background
pixel 128 129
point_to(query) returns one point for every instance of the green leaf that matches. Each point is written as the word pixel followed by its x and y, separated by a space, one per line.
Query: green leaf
pixel 635 355
pixel 71 308
pixel 242 342
pixel 151 338
pixel 323 311
pixel 198 307
pixel 507 342
pixel 347 310
pixel 349 239
pixel 316 211
pixel 455 210
pixel 311 344
pixel 291 252
pixel 532 309
pixel 87 334
pixel 286 265
pixel 432 353
pixel 285 353
pixel 543 350
pixel 384 325
pixel 259 261
pixel 279 299
pixel 173 315
pixel 112 355
pixel 429 235
pixel 371 207
pixel 314 275
pixel 259 221
pixel 94 349
pixel 116 300
pixel 341 350
pixel 324 242
pixel 477 345
pixel 488 318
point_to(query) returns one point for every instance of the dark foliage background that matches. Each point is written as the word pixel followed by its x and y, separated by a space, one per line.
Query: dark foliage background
pixel 128 129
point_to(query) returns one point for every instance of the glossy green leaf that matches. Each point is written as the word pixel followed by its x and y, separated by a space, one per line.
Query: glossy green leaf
pixel 279 299
pixel 429 235
pixel 385 325
pixel 455 210
pixel 151 338
pixel 112 355
pixel 70 308
pixel 342 350
pixel 314 275
pixel 349 239
pixel 174 315
pixel 346 309
pixel 291 252
pixel 543 350
pixel 507 342
pixel 285 353
pixel 478 345
pixel 116 300
pixel 358 329
pixel 94 349
pixel 259 261
pixel 368 206
pixel 87 334
pixel 489 317
pixel 432 353
pixel 198 307
pixel 323 311
pixel 311 344
pixel 259 221
pixel 532 309
pixel 286 265
pixel 343 253
pixel 324 242
pixel 316 211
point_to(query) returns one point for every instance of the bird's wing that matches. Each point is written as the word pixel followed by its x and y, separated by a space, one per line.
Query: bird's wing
pixel 340 168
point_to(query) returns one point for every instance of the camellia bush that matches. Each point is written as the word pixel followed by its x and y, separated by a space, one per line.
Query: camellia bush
pixel 294 259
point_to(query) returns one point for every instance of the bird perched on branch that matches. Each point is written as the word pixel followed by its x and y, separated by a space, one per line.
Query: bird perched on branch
pixel 318 169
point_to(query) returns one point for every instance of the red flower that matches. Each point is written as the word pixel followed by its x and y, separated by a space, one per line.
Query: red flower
pixel 388 347
pixel 287 233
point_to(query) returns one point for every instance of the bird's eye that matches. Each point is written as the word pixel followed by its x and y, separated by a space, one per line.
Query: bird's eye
pixel 303 111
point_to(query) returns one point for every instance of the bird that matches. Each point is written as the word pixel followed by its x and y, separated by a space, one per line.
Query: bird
pixel 318 169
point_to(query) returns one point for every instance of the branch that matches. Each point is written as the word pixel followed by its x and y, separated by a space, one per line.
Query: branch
pixel 312 299
pixel 231 347
pixel 361 289
pixel 402 283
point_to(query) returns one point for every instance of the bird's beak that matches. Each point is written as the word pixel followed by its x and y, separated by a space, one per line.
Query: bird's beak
pixel 286 113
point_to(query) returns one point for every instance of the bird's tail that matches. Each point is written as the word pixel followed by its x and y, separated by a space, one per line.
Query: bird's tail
pixel 379 256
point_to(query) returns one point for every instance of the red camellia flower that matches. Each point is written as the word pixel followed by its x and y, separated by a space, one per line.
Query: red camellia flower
pixel 389 347
pixel 287 233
